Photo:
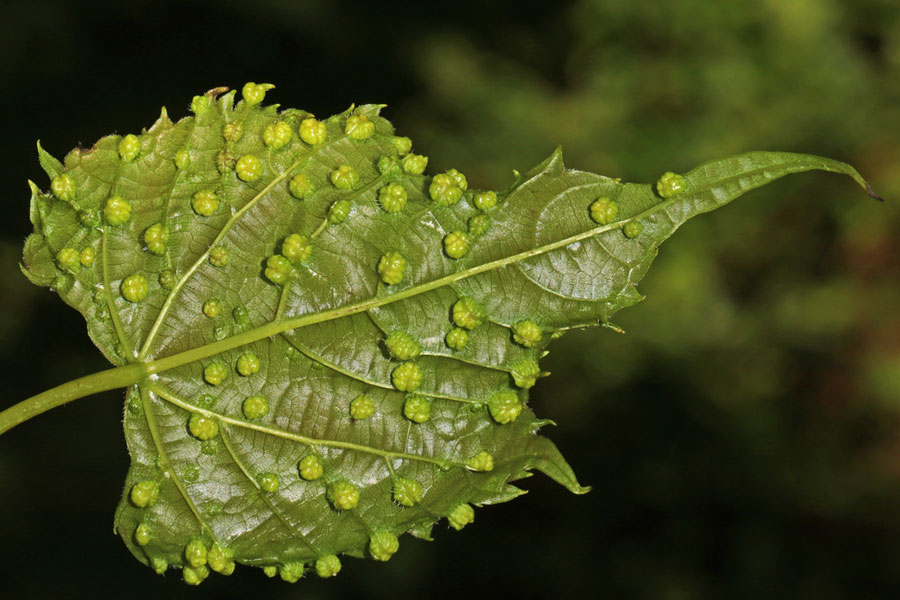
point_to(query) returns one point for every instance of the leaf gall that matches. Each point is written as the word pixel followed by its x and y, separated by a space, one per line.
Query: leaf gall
pixel 202 427
pixel 343 495
pixel 135 288
pixel 417 408
pixel 670 184
pixel 362 407
pixel 407 377
pixel 391 268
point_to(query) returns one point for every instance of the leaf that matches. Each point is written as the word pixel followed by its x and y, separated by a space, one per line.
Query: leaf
pixel 295 296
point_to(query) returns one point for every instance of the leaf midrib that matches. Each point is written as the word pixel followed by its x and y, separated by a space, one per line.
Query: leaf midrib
pixel 277 327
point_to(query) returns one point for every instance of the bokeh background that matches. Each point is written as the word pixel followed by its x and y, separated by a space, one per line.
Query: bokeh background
pixel 743 438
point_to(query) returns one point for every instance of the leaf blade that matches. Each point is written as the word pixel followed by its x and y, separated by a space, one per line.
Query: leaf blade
pixel 318 341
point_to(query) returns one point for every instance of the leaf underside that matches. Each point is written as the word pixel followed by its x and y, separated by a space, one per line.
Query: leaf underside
pixel 319 335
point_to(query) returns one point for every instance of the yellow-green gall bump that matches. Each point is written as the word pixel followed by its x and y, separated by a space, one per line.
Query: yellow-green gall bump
pixel 144 493
pixel 467 313
pixel 142 535
pixel 232 132
pixel 414 164
pixel 632 229
pixel 359 127
pixel 202 427
pixel 461 516
pixel 129 147
pixel 383 545
pixel 417 408
pixel 218 256
pixel 254 93
pixel 296 248
pixel 63 187
pixel 276 135
pixel 291 572
pixel 215 373
pixel 328 566
pixel 478 224
pixel 278 269
pixel 444 190
pixel 205 202
pixel 670 184
pixel 269 482
pixel 525 373
pixel 220 559
pixel 392 198
pixel 313 132
pixel 225 161
pixel 212 308
pixel 459 178
pixel 504 406
pixel 310 467
pixel 527 333
pixel 248 364
pixel 301 187
pixel 199 104
pixel 195 575
pixel 343 495
pixel 195 553
pixel 402 346
pixel 135 288
pixel 87 256
pixel 159 565
pixel 182 159
pixel 117 211
pixel 156 237
pixel 407 377
pixel 391 268
pixel 248 168
pixel 481 462
pixel 457 338
pixel 255 407
pixel 407 492
pixel 485 200
pixel 167 279
pixel 388 165
pixel 604 211
pixel 344 177
pixel 402 144
pixel 339 212
pixel 69 260
pixel 456 244
pixel 362 407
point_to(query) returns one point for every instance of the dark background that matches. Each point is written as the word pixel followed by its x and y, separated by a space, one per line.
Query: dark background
pixel 743 439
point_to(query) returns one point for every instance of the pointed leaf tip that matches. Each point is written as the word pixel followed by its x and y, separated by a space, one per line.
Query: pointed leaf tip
pixel 50 164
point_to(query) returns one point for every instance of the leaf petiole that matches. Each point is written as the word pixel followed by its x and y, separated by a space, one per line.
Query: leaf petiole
pixel 109 379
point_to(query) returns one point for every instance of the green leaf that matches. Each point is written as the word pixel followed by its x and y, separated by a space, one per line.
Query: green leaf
pixel 259 271
pixel 50 165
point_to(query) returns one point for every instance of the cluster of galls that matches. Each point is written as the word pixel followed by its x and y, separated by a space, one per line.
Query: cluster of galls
pixel 445 189
pixel 117 212
pixel 392 197
pixel 342 495
pixel 604 210
pixel 504 405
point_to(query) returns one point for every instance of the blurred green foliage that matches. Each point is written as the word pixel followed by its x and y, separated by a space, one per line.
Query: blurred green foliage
pixel 743 438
